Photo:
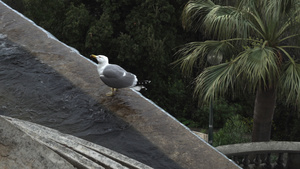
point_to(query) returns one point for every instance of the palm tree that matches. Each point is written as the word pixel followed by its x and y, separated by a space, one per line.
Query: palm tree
pixel 257 42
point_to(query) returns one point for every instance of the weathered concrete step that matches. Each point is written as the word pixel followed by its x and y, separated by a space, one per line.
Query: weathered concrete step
pixel 80 153
pixel 18 150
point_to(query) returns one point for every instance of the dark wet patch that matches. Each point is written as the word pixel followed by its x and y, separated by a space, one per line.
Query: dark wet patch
pixel 31 90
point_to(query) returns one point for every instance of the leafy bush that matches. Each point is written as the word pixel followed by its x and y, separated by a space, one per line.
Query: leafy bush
pixel 222 110
pixel 235 130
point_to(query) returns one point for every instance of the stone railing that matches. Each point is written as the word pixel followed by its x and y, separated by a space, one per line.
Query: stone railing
pixel 267 155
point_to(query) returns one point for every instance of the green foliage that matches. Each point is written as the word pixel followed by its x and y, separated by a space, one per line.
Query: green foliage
pixel 222 110
pixel 99 34
pixel 189 123
pixel 286 124
pixel 48 14
pixel 76 24
pixel 16 4
pixel 235 131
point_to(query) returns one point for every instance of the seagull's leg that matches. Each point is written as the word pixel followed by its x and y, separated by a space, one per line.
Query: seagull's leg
pixel 112 92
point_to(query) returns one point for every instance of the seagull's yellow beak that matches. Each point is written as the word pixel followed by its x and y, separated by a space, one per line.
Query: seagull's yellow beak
pixel 93 56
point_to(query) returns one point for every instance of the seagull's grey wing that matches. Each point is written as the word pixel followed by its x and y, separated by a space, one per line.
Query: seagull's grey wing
pixel 129 80
pixel 116 77
pixel 113 71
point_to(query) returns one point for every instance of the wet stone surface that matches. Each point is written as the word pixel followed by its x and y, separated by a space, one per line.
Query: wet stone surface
pixel 32 91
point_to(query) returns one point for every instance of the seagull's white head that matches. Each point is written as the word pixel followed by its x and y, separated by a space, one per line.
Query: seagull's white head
pixel 102 60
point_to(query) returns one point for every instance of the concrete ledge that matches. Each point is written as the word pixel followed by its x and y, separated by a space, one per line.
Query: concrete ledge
pixel 260 147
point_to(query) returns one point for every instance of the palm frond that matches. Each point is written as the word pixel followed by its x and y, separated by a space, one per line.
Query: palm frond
pixel 252 12
pixel 288 37
pixel 257 25
pixel 279 16
pixel 286 54
pixel 295 47
pixel 259 67
pixel 214 81
pixel 289 26
pixel 195 53
pixel 194 12
pixel 281 6
pixel 225 22
pixel 219 21
pixel 289 84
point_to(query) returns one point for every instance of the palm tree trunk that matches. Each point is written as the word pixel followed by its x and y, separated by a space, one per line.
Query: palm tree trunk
pixel 265 103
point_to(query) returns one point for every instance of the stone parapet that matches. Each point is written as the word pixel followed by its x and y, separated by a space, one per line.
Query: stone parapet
pixel 273 154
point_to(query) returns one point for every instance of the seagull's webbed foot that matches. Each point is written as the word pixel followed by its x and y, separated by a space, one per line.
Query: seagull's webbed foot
pixel 112 92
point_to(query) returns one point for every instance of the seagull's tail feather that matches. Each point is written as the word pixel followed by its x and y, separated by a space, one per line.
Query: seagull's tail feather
pixel 144 82
pixel 140 85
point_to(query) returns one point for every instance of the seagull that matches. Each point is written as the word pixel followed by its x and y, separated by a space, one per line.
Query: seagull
pixel 115 76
